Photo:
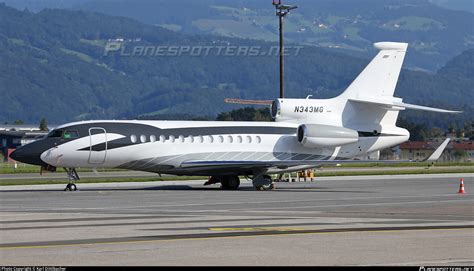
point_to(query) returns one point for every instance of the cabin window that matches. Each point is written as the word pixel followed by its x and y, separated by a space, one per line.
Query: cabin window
pixel 258 139
pixel 230 139
pixel 248 139
pixel 239 139
pixel 211 139
pixel 133 138
pixel 220 139
pixel 181 138
pixel 143 138
pixel 200 139
pixel 70 134
pixel 55 133
pixel 172 138
pixel 191 139
pixel 162 138
pixel 152 138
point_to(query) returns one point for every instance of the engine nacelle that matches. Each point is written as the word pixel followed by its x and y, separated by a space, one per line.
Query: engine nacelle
pixel 320 136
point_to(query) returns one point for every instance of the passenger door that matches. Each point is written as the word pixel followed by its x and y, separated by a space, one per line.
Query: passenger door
pixel 98 145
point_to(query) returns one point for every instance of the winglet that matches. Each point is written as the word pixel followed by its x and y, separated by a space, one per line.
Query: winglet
pixel 437 153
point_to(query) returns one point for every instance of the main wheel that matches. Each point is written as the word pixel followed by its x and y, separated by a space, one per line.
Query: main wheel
pixel 265 184
pixel 265 187
pixel 230 182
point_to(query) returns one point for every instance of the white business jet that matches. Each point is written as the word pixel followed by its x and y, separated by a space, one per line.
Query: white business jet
pixel 306 133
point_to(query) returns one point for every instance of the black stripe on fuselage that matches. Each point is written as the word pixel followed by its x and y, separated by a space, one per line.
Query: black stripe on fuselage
pixel 128 129
pixel 114 144
pixel 138 129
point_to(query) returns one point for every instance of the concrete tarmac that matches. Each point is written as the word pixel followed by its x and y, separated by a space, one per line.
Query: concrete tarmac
pixel 376 220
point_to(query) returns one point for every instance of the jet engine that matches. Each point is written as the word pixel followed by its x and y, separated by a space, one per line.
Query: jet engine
pixel 320 136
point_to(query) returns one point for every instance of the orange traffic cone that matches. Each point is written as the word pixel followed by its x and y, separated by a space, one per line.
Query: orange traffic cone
pixel 461 187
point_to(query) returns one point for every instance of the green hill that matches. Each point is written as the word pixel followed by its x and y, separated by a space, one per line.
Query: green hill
pixel 435 30
pixel 52 64
pixel 436 34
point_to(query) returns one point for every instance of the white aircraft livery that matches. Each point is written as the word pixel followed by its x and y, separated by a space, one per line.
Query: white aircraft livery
pixel 306 133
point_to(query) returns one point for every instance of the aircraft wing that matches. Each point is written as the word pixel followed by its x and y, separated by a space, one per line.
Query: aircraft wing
pixel 287 164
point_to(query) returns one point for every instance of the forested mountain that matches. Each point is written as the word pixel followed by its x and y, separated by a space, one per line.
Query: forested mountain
pixel 464 5
pixel 461 66
pixel 38 5
pixel 436 34
pixel 53 65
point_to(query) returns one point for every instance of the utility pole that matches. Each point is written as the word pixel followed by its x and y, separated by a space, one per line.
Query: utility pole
pixel 281 12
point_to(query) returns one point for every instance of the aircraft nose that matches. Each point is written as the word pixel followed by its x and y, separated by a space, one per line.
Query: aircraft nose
pixel 27 154
pixel 14 155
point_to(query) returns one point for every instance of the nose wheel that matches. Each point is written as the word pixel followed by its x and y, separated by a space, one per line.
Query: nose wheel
pixel 71 187
pixel 73 177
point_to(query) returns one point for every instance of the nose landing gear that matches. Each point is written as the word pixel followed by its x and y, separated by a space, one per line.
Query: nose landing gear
pixel 70 187
pixel 73 177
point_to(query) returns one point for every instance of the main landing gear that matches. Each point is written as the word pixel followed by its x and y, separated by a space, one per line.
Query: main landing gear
pixel 263 182
pixel 260 182
pixel 73 177
pixel 230 182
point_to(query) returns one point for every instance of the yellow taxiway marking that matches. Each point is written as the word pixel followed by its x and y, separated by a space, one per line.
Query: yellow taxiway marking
pixel 257 229
pixel 218 237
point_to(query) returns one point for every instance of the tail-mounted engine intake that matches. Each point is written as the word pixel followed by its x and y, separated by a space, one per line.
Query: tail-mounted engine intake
pixel 320 136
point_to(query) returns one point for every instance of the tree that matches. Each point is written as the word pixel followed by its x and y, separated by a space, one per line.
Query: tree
pixel 43 125
pixel 422 135
pixel 468 129
pixel 436 132
pixel 246 114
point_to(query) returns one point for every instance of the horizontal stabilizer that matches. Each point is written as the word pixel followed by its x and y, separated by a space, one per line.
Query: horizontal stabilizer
pixel 425 108
pixel 395 105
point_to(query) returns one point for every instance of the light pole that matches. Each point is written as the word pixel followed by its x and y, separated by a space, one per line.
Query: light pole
pixel 281 11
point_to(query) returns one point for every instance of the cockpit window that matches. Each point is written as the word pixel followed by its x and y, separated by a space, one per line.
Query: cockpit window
pixel 56 133
pixel 69 134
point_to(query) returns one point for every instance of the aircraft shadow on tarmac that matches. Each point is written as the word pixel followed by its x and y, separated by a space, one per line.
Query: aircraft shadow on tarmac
pixel 305 189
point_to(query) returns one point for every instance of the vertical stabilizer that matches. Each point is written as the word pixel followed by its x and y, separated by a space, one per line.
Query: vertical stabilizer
pixel 375 83
pixel 380 77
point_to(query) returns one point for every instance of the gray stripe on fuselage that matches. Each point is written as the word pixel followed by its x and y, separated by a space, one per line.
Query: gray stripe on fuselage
pixel 156 161
pixel 242 156
pixel 157 164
